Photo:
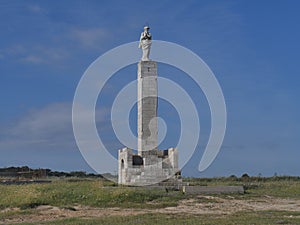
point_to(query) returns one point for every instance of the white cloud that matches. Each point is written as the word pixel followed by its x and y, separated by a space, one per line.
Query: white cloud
pixel 16 49
pixel 44 138
pixel 43 128
pixel 36 54
pixel 33 59
pixel 45 55
pixel 56 55
pixel 35 9
pixel 89 38
pixel 51 124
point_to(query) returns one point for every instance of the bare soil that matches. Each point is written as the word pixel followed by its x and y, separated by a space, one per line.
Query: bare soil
pixel 197 205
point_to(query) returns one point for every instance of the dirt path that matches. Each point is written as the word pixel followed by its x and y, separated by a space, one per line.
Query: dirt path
pixel 197 205
pixel 48 213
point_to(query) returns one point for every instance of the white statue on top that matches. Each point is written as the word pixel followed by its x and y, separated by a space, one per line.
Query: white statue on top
pixel 145 43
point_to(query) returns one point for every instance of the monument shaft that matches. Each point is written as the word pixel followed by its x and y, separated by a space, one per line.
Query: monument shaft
pixel 147 108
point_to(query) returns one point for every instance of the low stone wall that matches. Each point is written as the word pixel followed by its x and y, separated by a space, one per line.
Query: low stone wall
pixel 213 189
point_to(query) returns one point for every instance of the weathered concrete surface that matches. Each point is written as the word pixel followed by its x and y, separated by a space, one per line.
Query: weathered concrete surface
pixel 160 169
pixel 213 189
pixel 147 109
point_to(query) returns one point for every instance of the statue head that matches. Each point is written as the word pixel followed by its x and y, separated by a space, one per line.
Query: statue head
pixel 146 28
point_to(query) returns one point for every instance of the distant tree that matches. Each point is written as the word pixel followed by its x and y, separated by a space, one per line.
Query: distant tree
pixel 78 174
pixel 260 175
pixel 245 175
pixel 233 177
pixel 18 171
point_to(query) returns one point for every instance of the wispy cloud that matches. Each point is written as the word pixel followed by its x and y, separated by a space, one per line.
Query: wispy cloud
pixel 44 137
pixel 45 55
pixel 51 124
pixel 36 54
pixel 89 37
pixel 50 54
pixel 35 9
pixel 33 59
pixel 43 128
pixel 16 49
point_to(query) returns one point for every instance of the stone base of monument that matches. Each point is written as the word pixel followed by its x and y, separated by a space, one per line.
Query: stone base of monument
pixel 148 169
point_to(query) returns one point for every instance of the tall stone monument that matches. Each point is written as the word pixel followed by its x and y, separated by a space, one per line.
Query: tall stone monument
pixel 149 165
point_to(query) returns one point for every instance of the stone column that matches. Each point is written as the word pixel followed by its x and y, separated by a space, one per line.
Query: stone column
pixel 147 109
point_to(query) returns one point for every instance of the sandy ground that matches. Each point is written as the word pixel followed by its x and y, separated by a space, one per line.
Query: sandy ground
pixel 197 205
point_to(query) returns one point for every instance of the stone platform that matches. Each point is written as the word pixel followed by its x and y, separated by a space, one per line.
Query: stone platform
pixel 134 171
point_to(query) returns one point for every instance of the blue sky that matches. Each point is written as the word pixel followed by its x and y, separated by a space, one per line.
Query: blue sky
pixel 251 46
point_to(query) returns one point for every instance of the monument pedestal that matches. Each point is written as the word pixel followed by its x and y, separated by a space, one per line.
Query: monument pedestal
pixel 163 167
pixel 149 166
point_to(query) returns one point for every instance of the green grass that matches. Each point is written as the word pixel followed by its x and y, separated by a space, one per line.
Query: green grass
pixel 67 193
pixel 100 193
pixel 63 193
pixel 10 214
pixel 284 187
pixel 264 217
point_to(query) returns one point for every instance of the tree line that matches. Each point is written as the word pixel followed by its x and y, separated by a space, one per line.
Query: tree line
pixel 25 171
